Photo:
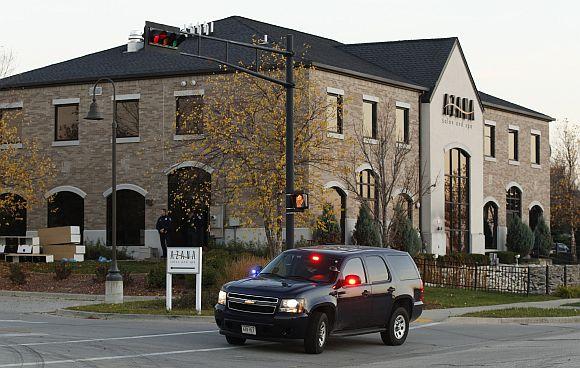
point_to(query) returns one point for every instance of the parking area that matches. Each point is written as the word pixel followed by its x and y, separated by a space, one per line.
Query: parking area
pixel 43 340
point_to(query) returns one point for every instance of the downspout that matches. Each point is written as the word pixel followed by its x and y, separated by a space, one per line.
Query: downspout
pixel 420 177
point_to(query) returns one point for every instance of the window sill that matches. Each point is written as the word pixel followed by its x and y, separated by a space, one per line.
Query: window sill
pixel 403 145
pixel 11 145
pixel 129 140
pixel 335 135
pixel 188 137
pixel 370 140
pixel 536 166
pixel 65 143
pixel 513 162
pixel 489 158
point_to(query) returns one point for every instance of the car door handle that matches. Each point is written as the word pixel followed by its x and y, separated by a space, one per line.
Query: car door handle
pixel 365 293
pixel 391 289
pixel 337 293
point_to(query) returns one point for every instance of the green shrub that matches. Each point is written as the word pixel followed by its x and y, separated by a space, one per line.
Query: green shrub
pixel 542 238
pixel 95 250
pixel 327 230
pixel 568 292
pixel 402 235
pixel 156 277
pixel 506 257
pixel 465 258
pixel 101 271
pixel 425 256
pixel 62 270
pixel 366 232
pixel 520 238
pixel 17 275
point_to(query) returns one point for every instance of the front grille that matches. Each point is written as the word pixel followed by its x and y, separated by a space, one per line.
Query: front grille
pixel 252 303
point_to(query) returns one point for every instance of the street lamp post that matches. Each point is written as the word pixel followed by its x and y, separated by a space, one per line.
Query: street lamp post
pixel 114 280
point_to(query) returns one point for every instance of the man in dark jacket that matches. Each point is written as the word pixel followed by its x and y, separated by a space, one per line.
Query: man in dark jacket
pixel 163 226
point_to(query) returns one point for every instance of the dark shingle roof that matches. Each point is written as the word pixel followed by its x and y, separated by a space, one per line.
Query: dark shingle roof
pixel 496 102
pixel 415 64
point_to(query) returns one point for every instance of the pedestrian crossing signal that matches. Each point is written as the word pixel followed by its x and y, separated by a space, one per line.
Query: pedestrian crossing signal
pixel 298 201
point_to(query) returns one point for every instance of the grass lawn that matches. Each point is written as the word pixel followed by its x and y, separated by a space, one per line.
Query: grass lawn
pixel 439 297
pixel 572 305
pixel 525 312
pixel 141 307
pixel 88 267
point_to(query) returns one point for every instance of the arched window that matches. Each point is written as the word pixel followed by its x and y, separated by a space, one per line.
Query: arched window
pixel 513 202
pixel 536 213
pixel 130 218
pixel 457 203
pixel 406 204
pixel 490 225
pixel 12 215
pixel 189 196
pixel 66 209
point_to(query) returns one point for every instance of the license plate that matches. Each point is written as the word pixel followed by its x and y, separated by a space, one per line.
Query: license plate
pixel 248 330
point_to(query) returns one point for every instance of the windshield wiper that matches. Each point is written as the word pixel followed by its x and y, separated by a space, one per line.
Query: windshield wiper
pixel 270 273
pixel 299 277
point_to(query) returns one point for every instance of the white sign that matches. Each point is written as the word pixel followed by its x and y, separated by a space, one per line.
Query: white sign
pixel 183 261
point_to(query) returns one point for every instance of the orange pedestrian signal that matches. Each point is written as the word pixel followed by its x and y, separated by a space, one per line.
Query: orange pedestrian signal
pixel 298 201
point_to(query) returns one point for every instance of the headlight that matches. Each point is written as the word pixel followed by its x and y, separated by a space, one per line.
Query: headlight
pixel 222 297
pixel 292 305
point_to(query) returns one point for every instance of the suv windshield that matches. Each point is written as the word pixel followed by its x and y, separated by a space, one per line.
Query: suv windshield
pixel 305 265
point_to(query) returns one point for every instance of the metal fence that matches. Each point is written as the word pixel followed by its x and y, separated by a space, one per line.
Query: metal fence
pixel 512 279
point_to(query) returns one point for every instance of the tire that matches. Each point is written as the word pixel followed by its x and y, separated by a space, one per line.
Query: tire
pixel 317 333
pixel 235 340
pixel 397 328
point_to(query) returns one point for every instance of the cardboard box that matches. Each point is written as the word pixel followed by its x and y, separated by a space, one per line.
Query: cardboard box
pixel 60 235
pixel 67 251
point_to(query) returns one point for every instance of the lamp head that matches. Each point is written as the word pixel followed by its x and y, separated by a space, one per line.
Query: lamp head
pixel 94 113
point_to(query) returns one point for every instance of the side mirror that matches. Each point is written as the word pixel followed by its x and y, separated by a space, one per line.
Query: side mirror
pixel 351 280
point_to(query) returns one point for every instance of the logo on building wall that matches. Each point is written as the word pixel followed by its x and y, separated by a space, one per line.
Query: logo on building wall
pixel 458 107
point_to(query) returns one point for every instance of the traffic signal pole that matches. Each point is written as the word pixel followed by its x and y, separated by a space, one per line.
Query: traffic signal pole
pixel 289 140
pixel 288 84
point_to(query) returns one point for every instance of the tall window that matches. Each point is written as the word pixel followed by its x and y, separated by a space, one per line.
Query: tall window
pixel 489 140
pixel 457 201
pixel 66 209
pixel 334 113
pixel 402 125
pixel 13 119
pixel 536 213
pixel 535 148
pixel 127 118
pixel 367 185
pixel 490 225
pixel 513 145
pixel 66 122
pixel 130 218
pixel 513 202
pixel 406 204
pixel 369 119
pixel 189 115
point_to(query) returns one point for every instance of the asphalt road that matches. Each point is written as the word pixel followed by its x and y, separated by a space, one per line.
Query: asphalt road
pixel 41 340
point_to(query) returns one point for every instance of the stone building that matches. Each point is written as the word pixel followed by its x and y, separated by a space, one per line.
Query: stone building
pixel 486 157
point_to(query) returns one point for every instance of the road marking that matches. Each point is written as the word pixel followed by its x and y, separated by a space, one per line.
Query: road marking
pixel 425 325
pixel 110 338
pixel 22 334
pixel 423 320
pixel 20 321
pixel 119 357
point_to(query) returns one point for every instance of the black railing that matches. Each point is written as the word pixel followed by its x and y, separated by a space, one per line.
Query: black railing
pixel 510 279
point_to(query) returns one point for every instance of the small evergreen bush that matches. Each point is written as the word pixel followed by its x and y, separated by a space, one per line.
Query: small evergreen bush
pixel 17 275
pixel 542 238
pixel 327 229
pixel 62 270
pixel 156 277
pixel 520 238
pixel 402 235
pixel 366 231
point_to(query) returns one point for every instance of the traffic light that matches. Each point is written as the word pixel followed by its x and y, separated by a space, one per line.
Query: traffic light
pixel 298 201
pixel 160 35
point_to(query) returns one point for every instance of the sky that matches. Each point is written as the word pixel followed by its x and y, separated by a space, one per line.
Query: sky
pixel 524 51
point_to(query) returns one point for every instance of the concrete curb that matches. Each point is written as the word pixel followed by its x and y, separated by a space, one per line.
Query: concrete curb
pixel 67 296
pixel 522 321
pixel 118 316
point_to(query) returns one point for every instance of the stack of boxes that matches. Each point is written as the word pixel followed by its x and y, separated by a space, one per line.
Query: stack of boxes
pixel 62 242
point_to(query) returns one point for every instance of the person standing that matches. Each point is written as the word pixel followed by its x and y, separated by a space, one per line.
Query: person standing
pixel 164 223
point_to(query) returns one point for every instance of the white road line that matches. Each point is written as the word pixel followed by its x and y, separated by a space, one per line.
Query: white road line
pixel 110 338
pixel 22 334
pixel 119 357
pixel 20 321
pixel 425 325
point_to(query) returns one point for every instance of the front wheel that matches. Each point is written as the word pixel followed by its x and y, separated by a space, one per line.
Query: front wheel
pixel 397 329
pixel 235 340
pixel 317 333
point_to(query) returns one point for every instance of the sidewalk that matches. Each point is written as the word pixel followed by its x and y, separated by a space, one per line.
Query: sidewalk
pixel 438 315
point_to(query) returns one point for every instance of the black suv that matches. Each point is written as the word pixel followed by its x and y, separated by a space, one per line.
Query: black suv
pixel 311 293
